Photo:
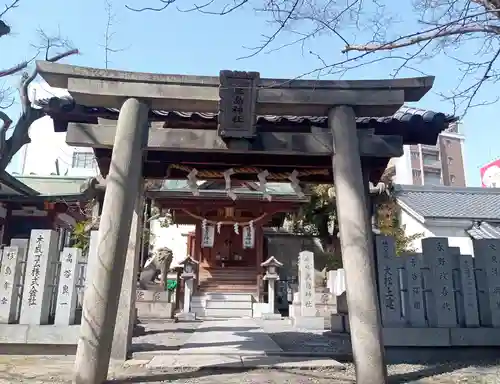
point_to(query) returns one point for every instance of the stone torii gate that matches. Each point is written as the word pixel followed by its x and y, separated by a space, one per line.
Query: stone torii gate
pixel 140 146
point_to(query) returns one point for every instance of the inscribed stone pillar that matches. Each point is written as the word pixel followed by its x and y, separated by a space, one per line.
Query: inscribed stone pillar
pixel 122 340
pixel 469 292
pixel 388 277
pixel 416 307
pixel 42 253
pixel 357 249
pixel 10 278
pixel 306 284
pixel 487 256
pixel 102 294
pixel 67 292
pixel 438 258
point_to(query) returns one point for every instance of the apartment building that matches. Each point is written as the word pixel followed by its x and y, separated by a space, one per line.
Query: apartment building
pixel 440 164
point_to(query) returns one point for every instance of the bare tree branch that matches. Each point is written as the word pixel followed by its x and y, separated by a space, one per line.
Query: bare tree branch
pixel 5 28
pixel 406 35
pixel 29 114
pixel 109 34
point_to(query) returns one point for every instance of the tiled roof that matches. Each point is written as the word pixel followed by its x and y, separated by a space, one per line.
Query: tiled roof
pixel 417 126
pixel 485 230
pixel 450 202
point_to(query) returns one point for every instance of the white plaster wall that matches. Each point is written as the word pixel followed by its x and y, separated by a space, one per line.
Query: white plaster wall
pixel 173 237
pixel 454 230
pixel 403 168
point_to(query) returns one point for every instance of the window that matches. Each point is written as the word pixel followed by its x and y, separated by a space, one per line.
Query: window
pixel 429 159
pixel 432 178
pixel 448 142
pixel 450 160
pixel 452 179
pixel 414 155
pixel 83 160
pixel 416 173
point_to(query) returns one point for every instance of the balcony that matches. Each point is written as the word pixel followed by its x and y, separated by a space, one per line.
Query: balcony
pixel 432 165
pixel 430 148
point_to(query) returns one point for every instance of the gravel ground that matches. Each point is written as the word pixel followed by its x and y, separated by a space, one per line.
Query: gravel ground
pixel 291 339
pixel 31 370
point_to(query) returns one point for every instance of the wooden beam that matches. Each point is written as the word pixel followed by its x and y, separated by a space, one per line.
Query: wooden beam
pixel 317 143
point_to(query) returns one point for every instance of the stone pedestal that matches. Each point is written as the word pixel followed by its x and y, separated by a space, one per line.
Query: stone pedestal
pixel 151 304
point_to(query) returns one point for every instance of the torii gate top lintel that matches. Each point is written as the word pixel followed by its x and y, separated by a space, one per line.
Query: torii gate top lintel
pixel 237 114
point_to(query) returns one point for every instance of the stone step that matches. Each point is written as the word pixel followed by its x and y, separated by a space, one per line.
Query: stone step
pixel 221 296
pixel 225 271
pixel 220 283
pixel 217 282
pixel 229 275
pixel 219 304
pixel 223 313
pixel 228 289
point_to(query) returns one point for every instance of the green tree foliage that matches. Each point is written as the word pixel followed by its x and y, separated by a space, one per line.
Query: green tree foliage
pixel 81 235
pixel 319 216
pixel 388 223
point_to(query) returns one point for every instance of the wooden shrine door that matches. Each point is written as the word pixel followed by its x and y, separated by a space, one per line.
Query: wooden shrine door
pixel 228 250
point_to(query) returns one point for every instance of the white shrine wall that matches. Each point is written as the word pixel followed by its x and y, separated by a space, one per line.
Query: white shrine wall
pixel 174 237
pixel 453 229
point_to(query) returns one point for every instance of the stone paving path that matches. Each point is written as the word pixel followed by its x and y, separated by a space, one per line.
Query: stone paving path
pixel 232 336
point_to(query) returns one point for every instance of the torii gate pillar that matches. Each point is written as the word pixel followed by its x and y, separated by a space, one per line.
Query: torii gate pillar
pixel 357 249
pixel 100 303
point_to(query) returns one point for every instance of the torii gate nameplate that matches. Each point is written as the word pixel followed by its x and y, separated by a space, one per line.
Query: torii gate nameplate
pixel 238 97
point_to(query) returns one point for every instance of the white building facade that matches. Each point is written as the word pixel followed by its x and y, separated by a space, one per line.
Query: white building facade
pixel 440 164
pixel 48 154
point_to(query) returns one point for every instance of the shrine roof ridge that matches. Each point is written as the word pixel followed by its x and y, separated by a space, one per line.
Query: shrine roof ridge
pixel 416 125
pixel 66 104
pixel 57 75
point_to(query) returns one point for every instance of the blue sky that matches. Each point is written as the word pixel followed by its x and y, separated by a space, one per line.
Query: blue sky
pixel 193 43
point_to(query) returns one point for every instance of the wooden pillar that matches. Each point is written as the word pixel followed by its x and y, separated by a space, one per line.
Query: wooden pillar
pixel 197 255
pixel 357 250
pixel 259 254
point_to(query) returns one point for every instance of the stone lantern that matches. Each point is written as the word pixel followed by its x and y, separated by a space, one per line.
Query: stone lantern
pixel 271 276
pixel 189 272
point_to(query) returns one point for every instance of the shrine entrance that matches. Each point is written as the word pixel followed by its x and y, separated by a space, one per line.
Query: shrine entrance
pixel 229 251
pixel 235 126
pixel 228 242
